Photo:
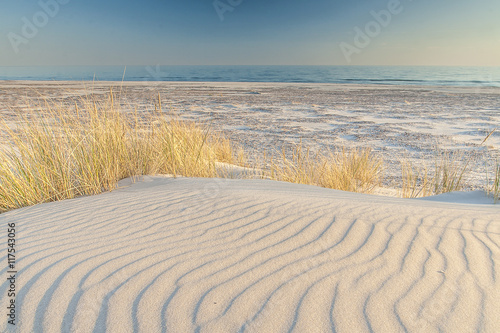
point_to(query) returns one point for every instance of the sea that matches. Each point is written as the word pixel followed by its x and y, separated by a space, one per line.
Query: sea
pixel 391 75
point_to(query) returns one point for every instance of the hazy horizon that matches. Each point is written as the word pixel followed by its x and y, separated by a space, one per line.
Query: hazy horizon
pixel 246 33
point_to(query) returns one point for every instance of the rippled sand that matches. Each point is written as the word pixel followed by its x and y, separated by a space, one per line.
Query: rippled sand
pixel 211 255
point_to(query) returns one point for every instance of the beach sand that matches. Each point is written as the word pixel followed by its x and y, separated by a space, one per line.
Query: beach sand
pixel 211 255
pixel 180 254
pixel 398 122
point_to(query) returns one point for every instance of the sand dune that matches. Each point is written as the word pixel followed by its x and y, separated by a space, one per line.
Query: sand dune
pixel 209 255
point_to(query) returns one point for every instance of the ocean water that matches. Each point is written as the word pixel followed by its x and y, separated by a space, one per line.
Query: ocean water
pixel 395 75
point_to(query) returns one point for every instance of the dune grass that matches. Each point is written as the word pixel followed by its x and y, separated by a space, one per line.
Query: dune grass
pixel 416 182
pixel 450 169
pixel 61 152
pixel 495 189
pixel 493 183
pixel 354 170
pixel 448 175
pixel 65 152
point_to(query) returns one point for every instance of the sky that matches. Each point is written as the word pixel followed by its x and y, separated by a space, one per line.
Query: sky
pixel 250 32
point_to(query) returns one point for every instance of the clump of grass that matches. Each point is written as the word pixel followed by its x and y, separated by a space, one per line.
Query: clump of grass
pixel 415 182
pixel 493 189
pixel 299 168
pixel 493 184
pixel 355 170
pixel 449 172
pixel 448 176
pixel 450 169
pixel 496 184
pixel 68 152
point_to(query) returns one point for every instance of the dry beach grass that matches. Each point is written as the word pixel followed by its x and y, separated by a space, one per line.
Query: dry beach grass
pixel 353 170
pixel 64 152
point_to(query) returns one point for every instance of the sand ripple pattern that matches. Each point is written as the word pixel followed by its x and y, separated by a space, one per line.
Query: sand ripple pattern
pixel 205 255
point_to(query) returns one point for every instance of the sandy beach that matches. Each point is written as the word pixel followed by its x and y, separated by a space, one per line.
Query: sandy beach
pixel 166 254
pixel 411 122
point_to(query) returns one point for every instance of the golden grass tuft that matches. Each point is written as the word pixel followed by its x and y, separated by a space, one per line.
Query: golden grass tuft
pixel 448 176
pixel 495 190
pixel 493 183
pixel 354 170
pixel 415 182
pixel 450 170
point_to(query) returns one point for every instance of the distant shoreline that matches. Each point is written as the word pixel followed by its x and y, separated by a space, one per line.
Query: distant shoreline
pixel 333 86
pixel 391 75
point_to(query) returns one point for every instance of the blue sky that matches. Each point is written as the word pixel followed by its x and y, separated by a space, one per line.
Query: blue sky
pixel 252 32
